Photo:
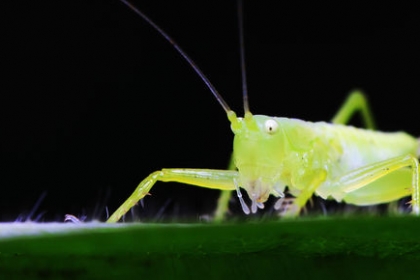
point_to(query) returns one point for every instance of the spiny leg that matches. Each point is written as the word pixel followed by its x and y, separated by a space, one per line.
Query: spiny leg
pixel 207 178
pixel 354 183
pixel 355 102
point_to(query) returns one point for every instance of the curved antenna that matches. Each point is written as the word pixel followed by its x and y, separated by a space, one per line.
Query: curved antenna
pixel 183 54
pixel 242 50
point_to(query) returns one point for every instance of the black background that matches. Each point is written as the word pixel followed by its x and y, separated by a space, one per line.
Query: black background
pixel 93 99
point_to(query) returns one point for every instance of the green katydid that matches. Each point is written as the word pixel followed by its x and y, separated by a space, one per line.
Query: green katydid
pixel 331 160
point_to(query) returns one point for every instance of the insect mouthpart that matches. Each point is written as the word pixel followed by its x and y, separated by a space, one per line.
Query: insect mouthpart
pixel 258 191
pixel 255 203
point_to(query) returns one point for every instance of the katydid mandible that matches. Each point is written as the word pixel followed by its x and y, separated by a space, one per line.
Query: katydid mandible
pixel 331 160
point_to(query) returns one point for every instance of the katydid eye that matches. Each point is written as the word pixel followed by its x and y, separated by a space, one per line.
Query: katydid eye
pixel 271 126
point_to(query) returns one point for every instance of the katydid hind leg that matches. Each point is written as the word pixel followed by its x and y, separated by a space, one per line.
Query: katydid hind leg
pixel 382 182
pixel 390 187
pixel 355 102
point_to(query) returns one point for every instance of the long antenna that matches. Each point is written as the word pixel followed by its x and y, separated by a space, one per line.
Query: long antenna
pixel 183 54
pixel 242 50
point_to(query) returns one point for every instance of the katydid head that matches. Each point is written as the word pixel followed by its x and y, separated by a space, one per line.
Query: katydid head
pixel 256 153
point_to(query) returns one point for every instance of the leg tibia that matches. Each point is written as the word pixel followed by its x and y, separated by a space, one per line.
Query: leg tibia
pixel 141 191
pixel 207 178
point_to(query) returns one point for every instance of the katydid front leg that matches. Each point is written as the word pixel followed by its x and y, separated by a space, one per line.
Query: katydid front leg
pixel 206 178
